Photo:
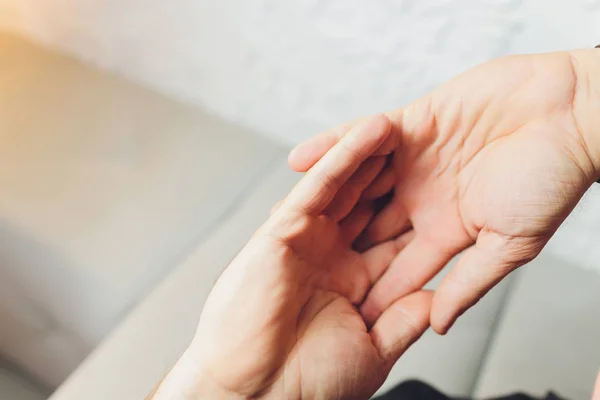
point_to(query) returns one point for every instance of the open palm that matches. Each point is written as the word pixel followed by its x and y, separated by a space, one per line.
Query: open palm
pixel 282 320
pixel 491 163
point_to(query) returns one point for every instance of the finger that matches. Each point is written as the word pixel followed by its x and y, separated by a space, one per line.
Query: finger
pixel 401 325
pixel 355 223
pixel 408 272
pixel 479 269
pixel 379 258
pixel 321 183
pixel 362 243
pixel 383 184
pixel 596 395
pixel 305 155
pixel 389 223
pixel 390 144
pixel 351 191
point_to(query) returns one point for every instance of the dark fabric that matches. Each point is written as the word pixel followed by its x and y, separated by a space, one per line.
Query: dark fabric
pixel 415 390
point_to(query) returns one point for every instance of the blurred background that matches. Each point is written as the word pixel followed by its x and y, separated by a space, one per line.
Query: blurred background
pixel 290 69
pixel 137 138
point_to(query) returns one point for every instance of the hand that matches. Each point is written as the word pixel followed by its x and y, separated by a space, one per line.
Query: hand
pixel 281 322
pixel 491 163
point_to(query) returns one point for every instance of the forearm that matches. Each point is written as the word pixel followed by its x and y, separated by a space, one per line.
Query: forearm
pixel 586 102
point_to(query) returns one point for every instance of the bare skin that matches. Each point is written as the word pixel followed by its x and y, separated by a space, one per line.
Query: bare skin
pixel 491 164
pixel 282 320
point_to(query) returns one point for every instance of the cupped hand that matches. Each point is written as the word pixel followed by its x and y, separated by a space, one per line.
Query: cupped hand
pixel 282 321
pixel 491 163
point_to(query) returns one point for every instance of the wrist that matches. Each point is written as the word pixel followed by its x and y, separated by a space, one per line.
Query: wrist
pixel 187 381
pixel 586 102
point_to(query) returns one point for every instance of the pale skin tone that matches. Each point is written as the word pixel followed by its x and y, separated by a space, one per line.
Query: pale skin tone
pixel 282 321
pixel 490 163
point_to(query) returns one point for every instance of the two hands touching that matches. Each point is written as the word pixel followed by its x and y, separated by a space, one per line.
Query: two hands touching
pixel 326 295
pixel 282 321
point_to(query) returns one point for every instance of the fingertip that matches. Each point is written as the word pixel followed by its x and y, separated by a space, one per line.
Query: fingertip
pixel 441 328
pixel 383 125
pixel 295 160
pixel 448 306
pixel 390 222
pixel 444 311
pixel 371 132
pixel 391 143
pixel 306 154
pixel 387 147
pixel 369 312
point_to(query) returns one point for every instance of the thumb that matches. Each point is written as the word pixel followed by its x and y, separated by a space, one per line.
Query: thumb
pixel 401 325
pixel 596 395
pixel 479 269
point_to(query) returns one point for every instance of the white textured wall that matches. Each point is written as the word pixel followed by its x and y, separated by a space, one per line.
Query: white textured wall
pixel 285 68
pixel 290 69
